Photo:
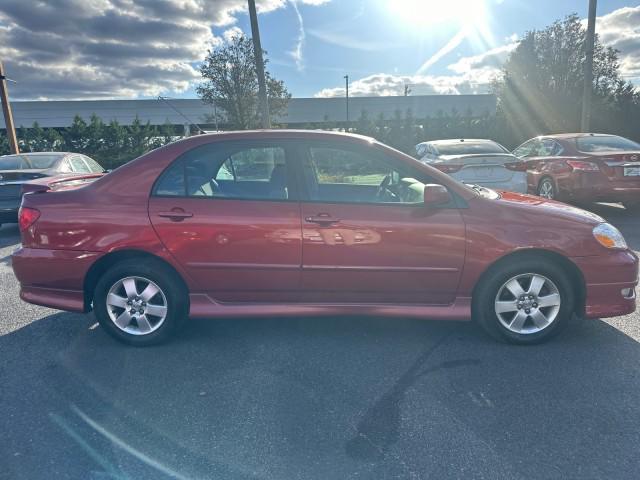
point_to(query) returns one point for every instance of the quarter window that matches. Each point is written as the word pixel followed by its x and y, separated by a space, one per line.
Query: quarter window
pixel 78 165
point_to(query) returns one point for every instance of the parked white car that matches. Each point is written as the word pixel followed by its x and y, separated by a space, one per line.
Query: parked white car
pixel 476 161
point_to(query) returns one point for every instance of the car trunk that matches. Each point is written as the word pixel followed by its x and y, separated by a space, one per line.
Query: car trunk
pixel 619 166
pixel 20 175
pixel 481 167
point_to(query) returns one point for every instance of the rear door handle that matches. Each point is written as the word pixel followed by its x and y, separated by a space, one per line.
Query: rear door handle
pixel 175 215
pixel 322 219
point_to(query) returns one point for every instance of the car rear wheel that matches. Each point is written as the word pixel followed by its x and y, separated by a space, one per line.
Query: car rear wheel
pixel 525 301
pixel 140 302
pixel 547 189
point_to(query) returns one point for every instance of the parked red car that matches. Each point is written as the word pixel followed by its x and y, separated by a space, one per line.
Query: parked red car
pixel 584 167
pixel 276 223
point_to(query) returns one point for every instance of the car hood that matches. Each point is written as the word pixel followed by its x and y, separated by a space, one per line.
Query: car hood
pixel 547 208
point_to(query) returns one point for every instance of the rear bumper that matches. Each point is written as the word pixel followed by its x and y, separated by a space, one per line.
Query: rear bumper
pixel 596 187
pixel 610 282
pixel 53 278
pixel 9 210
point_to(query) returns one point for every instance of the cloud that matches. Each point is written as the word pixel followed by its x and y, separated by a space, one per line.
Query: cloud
pixel 347 40
pixel 72 49
pixel 296 53
pixel 473 74
pixel 232 33
pixel 384 84
pixel 620 29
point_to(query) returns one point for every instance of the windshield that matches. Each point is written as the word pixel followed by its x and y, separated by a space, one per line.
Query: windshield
pixel 605 143
pixel 470 148
pixel 26 162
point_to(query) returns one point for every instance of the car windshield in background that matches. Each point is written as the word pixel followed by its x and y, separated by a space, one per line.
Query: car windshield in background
pixel 469 148
pixel 605 143
pixel 26 162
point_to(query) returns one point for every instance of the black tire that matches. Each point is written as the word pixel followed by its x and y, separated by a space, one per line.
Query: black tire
pixel 547 185
pixel 173 292
pixel 632 207
pixel 485 295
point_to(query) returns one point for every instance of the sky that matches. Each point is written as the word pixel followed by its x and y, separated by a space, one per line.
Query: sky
pixel 123 49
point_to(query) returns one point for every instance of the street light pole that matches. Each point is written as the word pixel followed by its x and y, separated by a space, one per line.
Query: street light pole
pixel 588 67
pixel 257 52
pixel 6 111
pixel 346 81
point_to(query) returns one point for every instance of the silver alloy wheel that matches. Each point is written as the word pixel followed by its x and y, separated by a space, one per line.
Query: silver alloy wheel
pixel 546 189
pixel 136 305
pixel 527 303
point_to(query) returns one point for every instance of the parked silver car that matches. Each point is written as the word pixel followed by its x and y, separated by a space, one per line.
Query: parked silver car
pixel 476 161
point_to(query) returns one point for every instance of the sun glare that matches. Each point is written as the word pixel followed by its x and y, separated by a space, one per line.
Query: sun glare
pixel 432 12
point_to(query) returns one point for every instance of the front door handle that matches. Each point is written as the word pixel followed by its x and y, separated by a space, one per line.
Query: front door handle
pixel 175 215
pixel 322 219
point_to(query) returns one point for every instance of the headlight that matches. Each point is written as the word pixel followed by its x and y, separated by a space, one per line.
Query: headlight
pixel 609 236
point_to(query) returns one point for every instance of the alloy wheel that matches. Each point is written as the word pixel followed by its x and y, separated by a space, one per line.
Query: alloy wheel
pixel 527 303
pixel 546 190
pixel 136 305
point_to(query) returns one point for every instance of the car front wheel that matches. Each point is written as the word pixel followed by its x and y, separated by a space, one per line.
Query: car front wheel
pixel 526 301
pixel 140 302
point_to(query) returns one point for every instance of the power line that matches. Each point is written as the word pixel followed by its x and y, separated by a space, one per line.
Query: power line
pixel 165 100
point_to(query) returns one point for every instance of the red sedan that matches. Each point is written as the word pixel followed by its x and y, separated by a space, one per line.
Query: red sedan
pixel 276 223
pixel 584 167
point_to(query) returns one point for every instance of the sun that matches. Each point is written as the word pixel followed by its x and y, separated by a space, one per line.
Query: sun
pixel 433 12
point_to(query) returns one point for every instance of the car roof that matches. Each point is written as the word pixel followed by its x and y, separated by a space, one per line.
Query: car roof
pixel 460 140
pixel 282 132
pixel 568 136
pixel 36 154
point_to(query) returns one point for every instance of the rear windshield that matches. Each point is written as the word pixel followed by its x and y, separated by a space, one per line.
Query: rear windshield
pixel 470 148
pixel 605 144
pixel 25 162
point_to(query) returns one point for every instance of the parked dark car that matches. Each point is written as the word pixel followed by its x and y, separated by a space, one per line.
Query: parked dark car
pixel 16 170
pixel 583 167
pixel 292 223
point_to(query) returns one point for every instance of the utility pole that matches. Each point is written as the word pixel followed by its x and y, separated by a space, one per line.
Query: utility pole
pixel 6 110
pixel 257 53
pixel 346 82
pixel 588 67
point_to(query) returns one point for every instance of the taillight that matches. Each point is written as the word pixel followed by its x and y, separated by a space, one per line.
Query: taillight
pixel 447 168
pixel 584 166
pixel 516 166
pixel 26 217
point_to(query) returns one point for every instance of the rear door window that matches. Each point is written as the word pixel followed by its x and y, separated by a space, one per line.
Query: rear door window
pixel 222 171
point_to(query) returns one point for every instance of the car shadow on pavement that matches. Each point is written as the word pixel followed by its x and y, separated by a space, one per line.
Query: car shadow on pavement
pixel 317 398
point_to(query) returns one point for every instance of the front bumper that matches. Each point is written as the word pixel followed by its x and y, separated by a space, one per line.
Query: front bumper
pixel 610 282
pixel 53 278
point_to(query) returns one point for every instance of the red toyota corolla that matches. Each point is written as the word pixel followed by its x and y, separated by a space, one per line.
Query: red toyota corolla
pixel 584 167
pixel 276 223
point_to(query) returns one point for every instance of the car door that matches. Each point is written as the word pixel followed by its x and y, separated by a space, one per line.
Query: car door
pixel 229 215
pixel 367 243
pixel 528 152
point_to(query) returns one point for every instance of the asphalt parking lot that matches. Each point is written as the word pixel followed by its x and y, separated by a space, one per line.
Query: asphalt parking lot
pixel 315 398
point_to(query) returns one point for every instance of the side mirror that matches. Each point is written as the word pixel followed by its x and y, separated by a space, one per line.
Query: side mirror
pixel 436 195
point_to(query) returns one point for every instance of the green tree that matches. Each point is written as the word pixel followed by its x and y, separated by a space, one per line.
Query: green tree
pixel 541 89
pixel 231 82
